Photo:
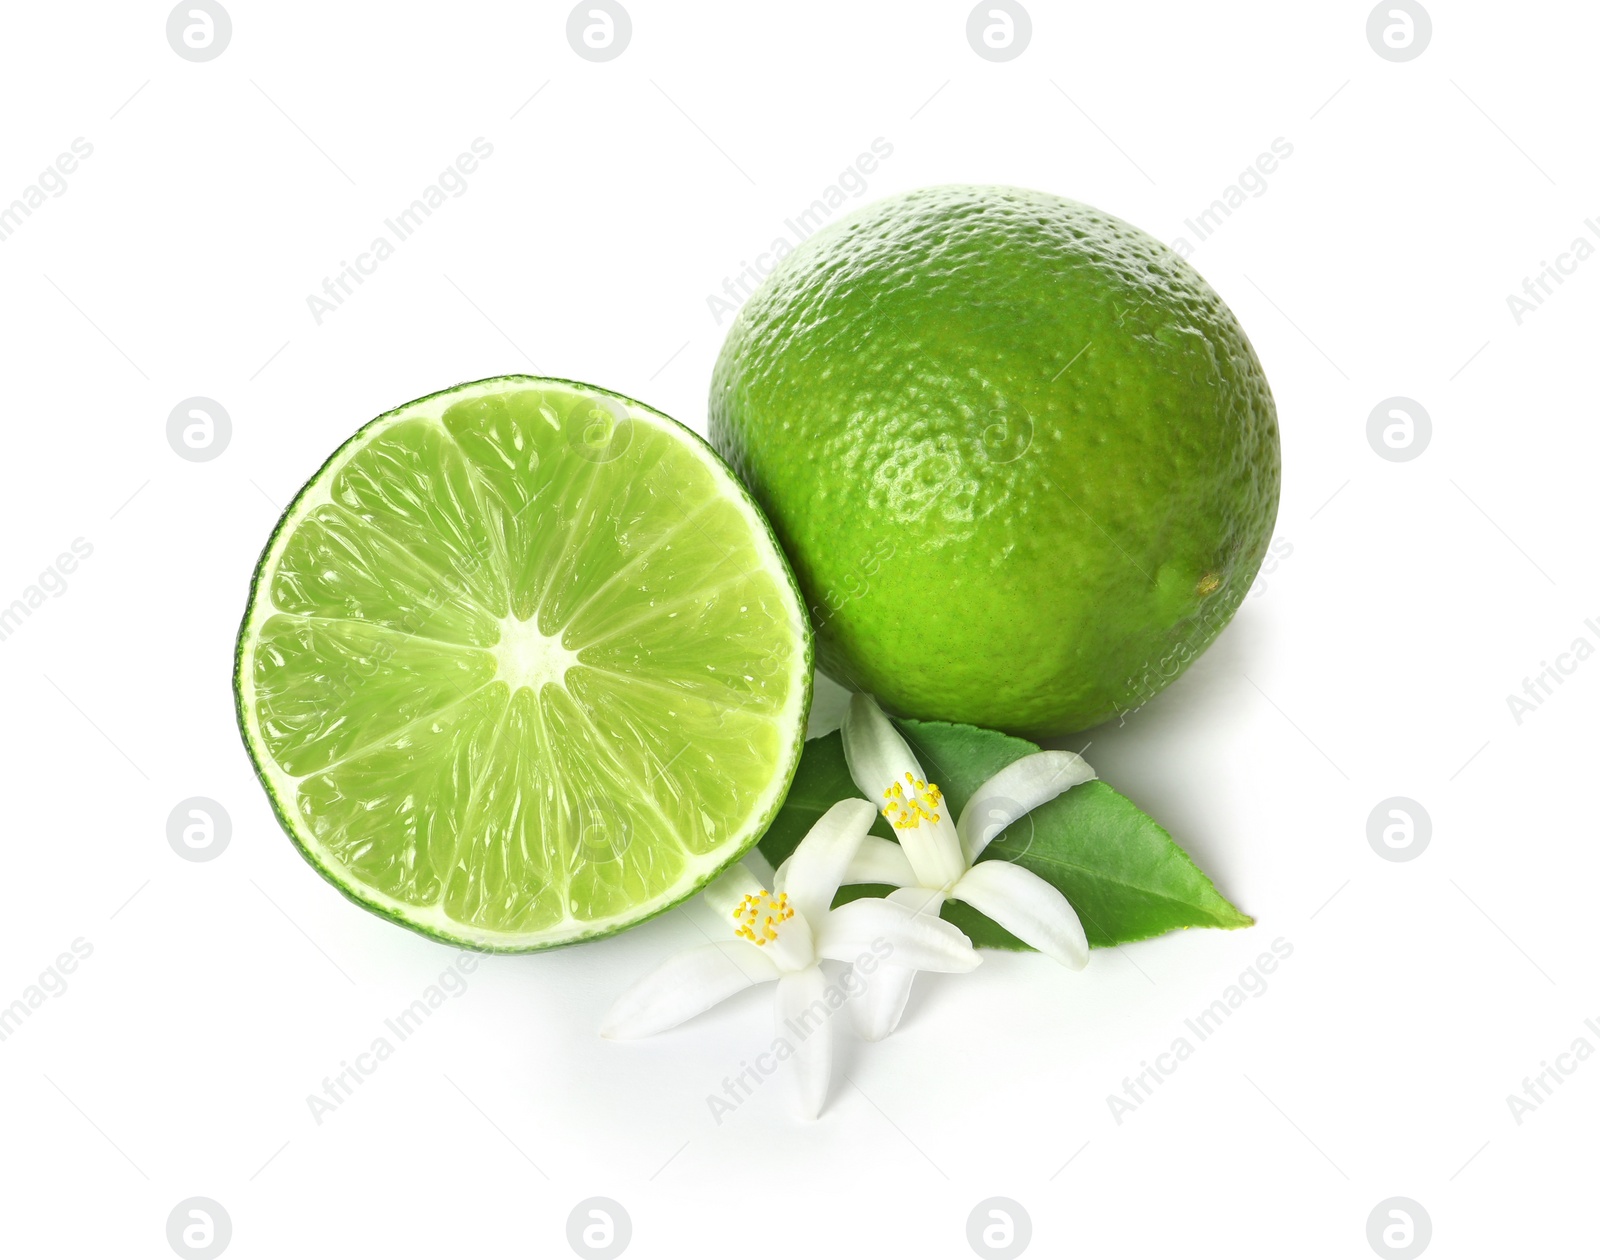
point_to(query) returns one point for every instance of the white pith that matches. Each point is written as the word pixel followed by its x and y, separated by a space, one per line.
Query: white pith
pixel 525 656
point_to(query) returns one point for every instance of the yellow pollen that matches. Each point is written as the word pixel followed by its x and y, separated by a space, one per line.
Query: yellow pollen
pixel 766 908
pixel 904 811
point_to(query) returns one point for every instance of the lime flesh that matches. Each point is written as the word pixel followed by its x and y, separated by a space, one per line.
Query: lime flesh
pixel 523 665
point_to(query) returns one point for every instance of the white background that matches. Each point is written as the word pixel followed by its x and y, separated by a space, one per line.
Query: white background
pixel 1374 662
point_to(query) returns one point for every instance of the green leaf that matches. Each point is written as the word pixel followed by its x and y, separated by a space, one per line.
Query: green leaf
pixel 1121 871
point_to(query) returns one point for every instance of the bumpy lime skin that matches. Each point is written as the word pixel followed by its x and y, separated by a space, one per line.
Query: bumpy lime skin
pixel 1023 458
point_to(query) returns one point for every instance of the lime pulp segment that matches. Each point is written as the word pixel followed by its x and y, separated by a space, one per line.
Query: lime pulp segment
pixel 523 665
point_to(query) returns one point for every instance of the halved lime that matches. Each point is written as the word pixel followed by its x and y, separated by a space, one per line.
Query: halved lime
pixel 523 665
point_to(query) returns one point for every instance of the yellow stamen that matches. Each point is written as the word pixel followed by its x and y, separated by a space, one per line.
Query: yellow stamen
pixel 905 813
pixel 765 908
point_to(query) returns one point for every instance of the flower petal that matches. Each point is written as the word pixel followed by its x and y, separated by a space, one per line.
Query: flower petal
pixel 920 900
pixel 1019 788
pixel 731 887
pixel 880 861
pixel 685 985
pixel 1028 907
pixel 877 1009
pixel 879 758
pixel 814 871
pixel 803 1016
pixel 873 749
pixel 913 938
pixel 755 861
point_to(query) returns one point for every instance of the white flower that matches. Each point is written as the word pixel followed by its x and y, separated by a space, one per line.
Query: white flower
pixel 783 935
pixel 937 859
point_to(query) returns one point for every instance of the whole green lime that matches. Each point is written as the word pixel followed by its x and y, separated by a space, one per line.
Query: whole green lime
pixel 1023 458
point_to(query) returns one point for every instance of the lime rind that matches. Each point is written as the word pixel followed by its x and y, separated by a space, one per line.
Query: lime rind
pixel 432 921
